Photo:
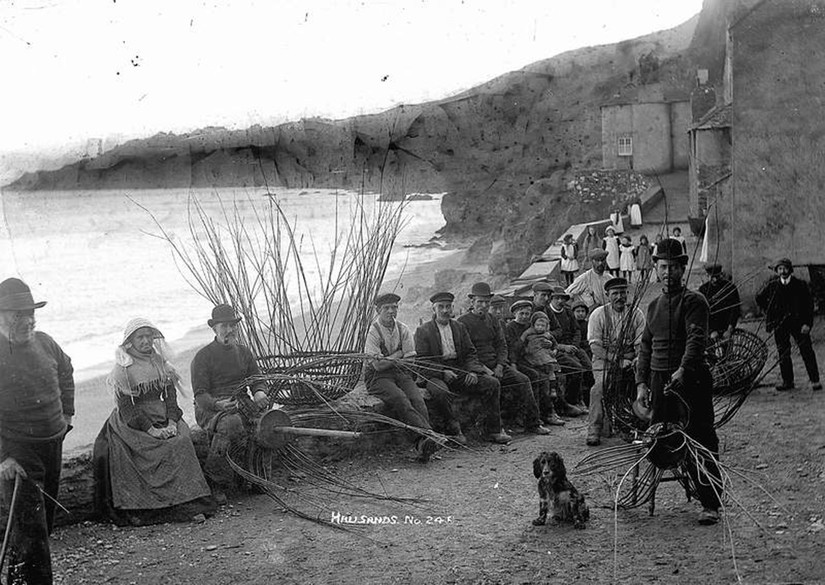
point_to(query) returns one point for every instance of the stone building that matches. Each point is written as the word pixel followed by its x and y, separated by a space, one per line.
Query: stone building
pixel 647 135
pixel 773 87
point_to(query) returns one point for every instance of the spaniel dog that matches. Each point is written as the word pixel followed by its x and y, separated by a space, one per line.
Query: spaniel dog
pixel 556 490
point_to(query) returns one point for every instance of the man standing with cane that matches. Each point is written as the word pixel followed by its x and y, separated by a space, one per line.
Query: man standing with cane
pixel 36 408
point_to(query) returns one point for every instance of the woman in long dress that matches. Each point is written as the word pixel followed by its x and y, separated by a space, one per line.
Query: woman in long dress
pixel 644 258
pixel 146 469
pixel 610 243
pixel 592 241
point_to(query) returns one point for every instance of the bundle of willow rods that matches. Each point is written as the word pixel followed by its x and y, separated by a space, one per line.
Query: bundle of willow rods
pixel 300 304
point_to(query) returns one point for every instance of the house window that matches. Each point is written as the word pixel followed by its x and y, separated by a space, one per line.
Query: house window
pixel 625 146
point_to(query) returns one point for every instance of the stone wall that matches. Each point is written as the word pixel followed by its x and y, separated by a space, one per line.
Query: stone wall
pixel 778 68
pixel 613 187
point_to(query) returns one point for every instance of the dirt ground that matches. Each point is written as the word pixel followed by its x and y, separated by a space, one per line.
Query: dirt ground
pixel 474 526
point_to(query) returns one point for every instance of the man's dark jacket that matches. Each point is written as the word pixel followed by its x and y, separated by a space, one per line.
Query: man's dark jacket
pixel 487 336
pixel 788 305
pixel 723 298
pixel 430 353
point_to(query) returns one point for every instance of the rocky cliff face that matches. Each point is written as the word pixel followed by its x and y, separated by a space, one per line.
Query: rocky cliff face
pixel 504 152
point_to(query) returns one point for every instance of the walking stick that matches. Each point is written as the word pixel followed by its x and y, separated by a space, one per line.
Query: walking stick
pixel 18 479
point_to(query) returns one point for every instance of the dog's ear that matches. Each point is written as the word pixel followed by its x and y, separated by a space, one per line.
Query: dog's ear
pixel 537 467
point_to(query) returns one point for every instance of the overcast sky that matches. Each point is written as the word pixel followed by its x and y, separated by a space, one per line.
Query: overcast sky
pixel 76 69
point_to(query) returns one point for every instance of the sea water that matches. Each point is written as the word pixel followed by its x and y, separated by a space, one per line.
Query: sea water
pixel 97 258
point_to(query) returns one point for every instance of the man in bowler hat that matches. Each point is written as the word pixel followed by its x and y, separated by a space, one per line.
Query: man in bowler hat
pixel 672 357
pixel 36 409
pixel 789 312
pixel 487 335
pixel 218 374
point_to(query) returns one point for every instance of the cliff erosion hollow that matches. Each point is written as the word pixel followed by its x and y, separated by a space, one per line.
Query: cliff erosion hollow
pixel 506 153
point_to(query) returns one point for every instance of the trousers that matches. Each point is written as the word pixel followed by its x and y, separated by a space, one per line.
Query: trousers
pixel 29 552
pixel 782 337
pixel 697 394
pixel 518 385
pixel 488 389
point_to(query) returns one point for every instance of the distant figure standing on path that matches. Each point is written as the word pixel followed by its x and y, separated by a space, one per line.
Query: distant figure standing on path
pixel 789 311
pixel 627 259
pixel 723 298
pixel 36 409
pixel 677 235
pixel 569 259
pixel 610 244
pixel 644 258
pixel 592 241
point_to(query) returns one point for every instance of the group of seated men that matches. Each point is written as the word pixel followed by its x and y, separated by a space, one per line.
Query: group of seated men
pixel 481 355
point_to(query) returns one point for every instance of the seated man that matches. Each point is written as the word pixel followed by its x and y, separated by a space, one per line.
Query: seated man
pixel 218 372
pixel 498 308
pixel 390 340
pixel 487 336
pixel 448 361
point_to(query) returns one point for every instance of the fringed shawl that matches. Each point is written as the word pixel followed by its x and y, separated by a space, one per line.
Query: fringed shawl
pixel 136 374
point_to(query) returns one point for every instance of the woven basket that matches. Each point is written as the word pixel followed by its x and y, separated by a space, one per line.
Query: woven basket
pixel 735 363
pixel 315 377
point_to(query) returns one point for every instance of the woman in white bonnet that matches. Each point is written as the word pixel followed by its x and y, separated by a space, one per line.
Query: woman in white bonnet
pixel 146 470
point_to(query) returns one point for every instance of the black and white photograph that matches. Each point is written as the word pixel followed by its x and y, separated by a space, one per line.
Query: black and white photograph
pixel 345 291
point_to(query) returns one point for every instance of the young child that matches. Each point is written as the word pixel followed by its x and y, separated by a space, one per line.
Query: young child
pixel 580 313
pixel 610 244
pixel 677 235
pixel 569 259
pixel 627 260
pixel 540 349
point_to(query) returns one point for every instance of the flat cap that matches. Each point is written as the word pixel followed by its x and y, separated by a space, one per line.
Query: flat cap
pixel 713 268
pixel 542 287
pixel 558 291
pixel 497 300
pixel 521 304
pixel 617 282
pixel 597 254
pixel 386 299
pixel 442 297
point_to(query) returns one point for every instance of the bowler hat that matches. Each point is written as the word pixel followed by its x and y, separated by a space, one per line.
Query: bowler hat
pixel 497 300
pixel 480 289
pixel 559 291
pixel 386 299
pixel 597 254
pixel 670 249
pixel 784 262
pixel 617 282
pixel 713 269
pixel 442 297
pixel 15 295
pixel 542 287
pixel 223 314
pixel 521 304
